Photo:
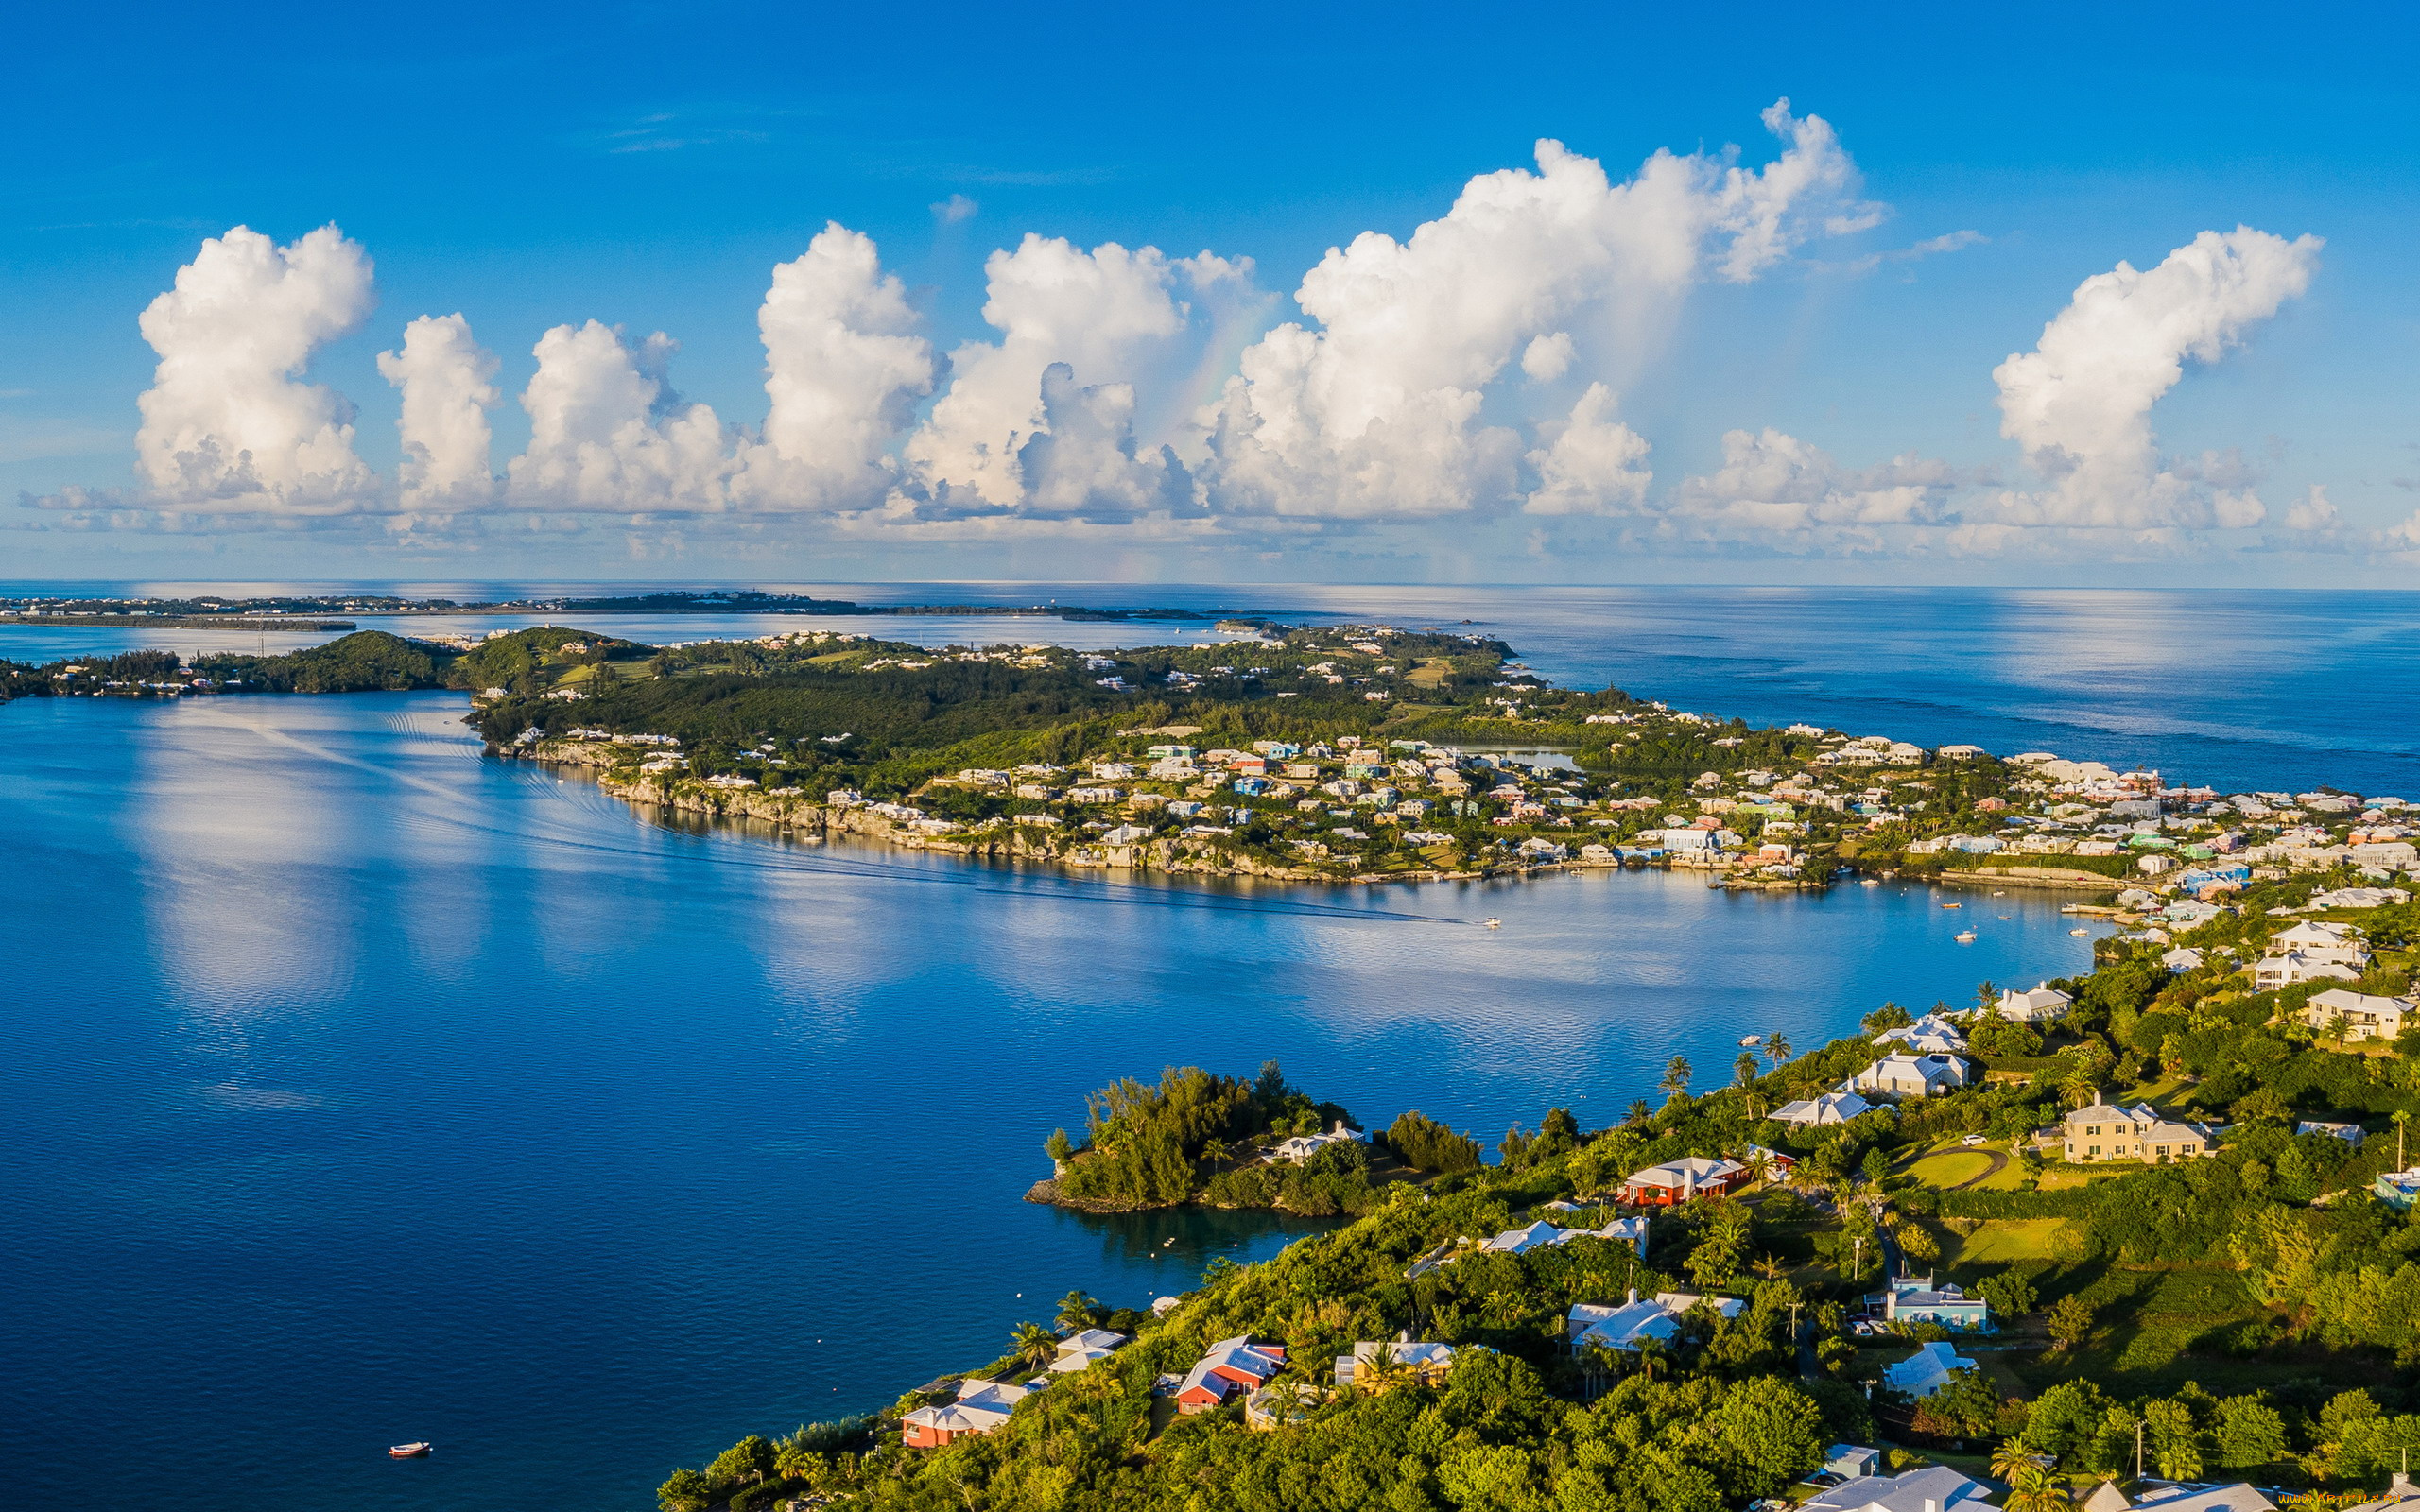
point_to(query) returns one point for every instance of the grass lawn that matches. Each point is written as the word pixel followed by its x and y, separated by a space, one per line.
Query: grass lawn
pixel 2005 1241
pixel 2010 1178
pixel 1950 1168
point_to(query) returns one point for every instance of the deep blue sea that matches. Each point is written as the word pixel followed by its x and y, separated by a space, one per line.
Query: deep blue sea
pixel 358 1089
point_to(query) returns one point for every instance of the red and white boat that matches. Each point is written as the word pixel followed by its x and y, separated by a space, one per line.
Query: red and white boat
pixel 409 1450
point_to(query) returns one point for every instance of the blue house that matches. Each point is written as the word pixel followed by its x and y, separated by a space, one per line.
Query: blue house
pixel 1915 1299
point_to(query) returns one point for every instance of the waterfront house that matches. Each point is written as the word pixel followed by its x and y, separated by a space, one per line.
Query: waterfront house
pixel 981 1406
pixel 1933 1489
pixel 2106 1132
pixel 1231 1365
pixel 1832 1107
pixel 2364 1016
pixel 1078 1351
pixel 1301 1147
pixel 1691 1175
pixel 2042 1005
pixel 1424 1363
pixel 1925 1372
pixel 1917 1299
pixel 1912 1076
pixel 1930 1035
pixel 1626 1326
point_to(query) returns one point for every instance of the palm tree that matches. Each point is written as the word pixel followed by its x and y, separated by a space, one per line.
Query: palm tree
pixel 2011 1456
pixel 2401 1119
pixel 1377 1372
pixel 2033 1489
pixel 1768 1267
pixel 1676 1077
pixel 1650 1349
pixel 1777 1049
pixel 1034 1344
pixel 1744 1069
pixel 1078 1311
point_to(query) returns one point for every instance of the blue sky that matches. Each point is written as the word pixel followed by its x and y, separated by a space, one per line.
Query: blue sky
pixel 647 167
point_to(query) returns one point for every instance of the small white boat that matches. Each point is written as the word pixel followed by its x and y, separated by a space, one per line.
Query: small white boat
pixel 1751 1039
pixel 1964 937
pixel 1871 881
pixel 2079 932
pixel 1495 923
pixel 409 1450
pixel 1999 892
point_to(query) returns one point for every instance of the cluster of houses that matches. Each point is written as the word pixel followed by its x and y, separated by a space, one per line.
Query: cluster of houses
pixel 1856 1488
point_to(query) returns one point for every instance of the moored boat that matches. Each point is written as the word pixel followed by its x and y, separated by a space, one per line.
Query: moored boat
pixel 1964 937
pixel 411 1450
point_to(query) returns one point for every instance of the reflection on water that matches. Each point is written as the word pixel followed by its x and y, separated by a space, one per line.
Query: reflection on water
pixel 1175 1244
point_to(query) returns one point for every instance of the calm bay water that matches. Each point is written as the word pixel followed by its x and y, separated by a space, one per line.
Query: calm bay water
pixel 359 1089
pixel 2239 690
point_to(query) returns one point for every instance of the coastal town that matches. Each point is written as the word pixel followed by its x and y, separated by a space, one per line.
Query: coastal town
pixel 1340 754
pixel 2135 1239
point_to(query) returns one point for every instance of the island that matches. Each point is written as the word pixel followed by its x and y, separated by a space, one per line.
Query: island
pixel 2139 1238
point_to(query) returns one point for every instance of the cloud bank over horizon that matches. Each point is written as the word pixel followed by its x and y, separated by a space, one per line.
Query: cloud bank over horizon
pixel 1471 371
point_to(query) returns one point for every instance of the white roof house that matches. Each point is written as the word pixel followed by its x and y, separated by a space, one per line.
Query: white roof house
pixel 1934 1488
pixel 2271 972
pixel 1927 1370
pixel 1542 1235
pixel 2104 1131
pixel 2320 941
pixel 1680 1179
pixel 1303 1146
pixel 1079 1349
pixel 1832 1107
pixel 2041 1005
pixel 2240 1497
pixel 1623 1327
pixel 1912 1076
pixel 1931 1033
pixel 2366 1017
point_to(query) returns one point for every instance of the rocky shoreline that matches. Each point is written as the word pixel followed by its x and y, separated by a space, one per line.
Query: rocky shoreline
pixel 800 813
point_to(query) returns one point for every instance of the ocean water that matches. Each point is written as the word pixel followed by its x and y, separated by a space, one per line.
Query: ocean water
pixel 2276 689
pixel 359 1089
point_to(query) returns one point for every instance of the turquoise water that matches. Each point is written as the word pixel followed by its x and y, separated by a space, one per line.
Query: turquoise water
pixel 359 1090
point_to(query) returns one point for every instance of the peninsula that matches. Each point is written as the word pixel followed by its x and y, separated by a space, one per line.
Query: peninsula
pixel 2145 1236
pixel 1328 755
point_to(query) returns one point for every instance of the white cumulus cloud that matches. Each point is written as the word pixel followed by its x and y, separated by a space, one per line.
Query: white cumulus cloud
pixel 229 423
pixel 442 376
pixel 1375 412
pixel 605 431
pixel 1109 315
pixel 1772 481
pixel 2080 403
pixel 844 368
pixel 1592 464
